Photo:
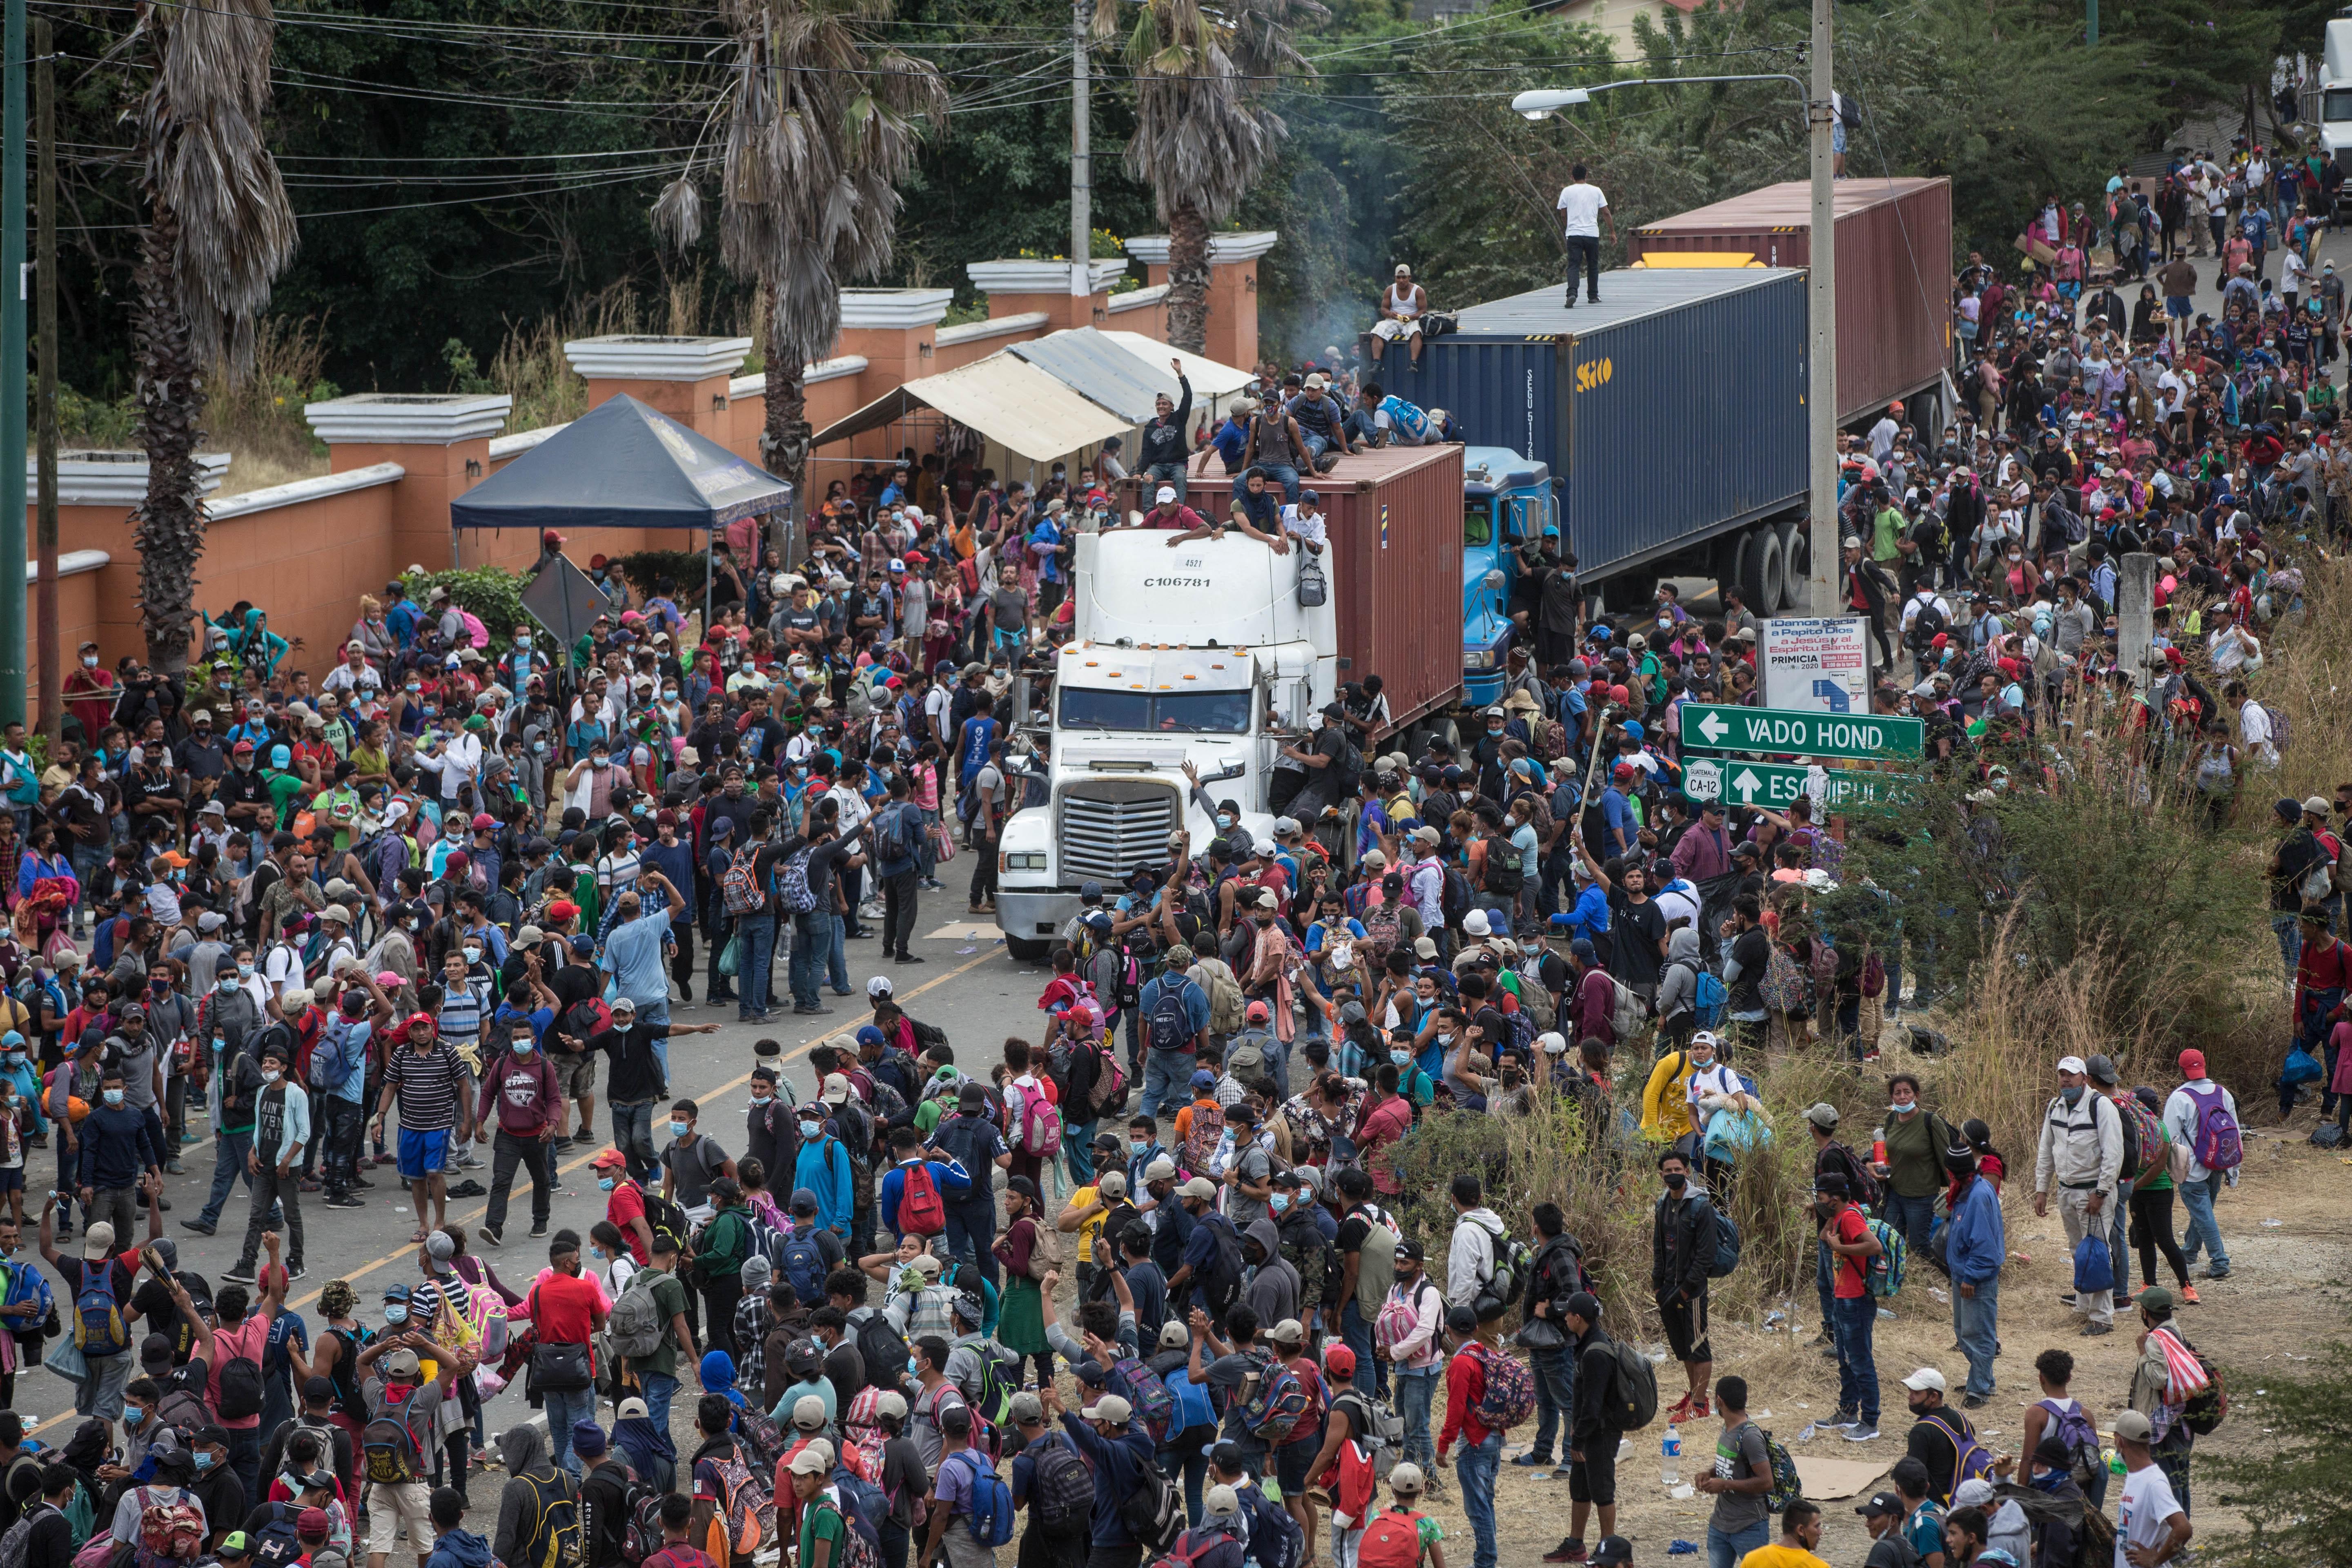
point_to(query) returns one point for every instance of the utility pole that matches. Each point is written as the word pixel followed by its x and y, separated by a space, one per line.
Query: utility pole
pixel 1082 174
pixel 45 283
pixel 12 366
pixel 1821 114
pixel 2091 24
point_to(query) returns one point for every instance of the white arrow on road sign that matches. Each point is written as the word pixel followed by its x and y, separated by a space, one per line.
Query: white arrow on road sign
pixel 1746 781
pixel 1713 727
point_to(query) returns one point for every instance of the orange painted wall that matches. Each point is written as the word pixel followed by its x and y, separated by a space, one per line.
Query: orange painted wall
pixel 78 598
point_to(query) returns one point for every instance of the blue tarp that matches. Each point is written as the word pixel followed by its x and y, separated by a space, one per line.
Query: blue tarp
pixel 622 465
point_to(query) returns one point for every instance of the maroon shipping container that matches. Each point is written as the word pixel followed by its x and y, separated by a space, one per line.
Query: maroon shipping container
pixel 1396 545
pixel 1893 272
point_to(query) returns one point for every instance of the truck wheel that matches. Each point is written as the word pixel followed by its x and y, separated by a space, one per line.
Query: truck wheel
pixel 1731 567
pixel 1760 578
pixel 1025 950
pixel 1796 555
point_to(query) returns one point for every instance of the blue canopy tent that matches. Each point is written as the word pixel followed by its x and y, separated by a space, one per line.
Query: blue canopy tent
pixel 624 465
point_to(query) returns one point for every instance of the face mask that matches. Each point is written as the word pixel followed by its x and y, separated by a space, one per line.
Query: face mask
pixel 473 956
pixel 1138 1145
pixel 622 1027
pixel 412 689
pixel 607 1183
pixel 1279 1201
pixel 131 1413
pixel 679 1129
pixel 1224 819
pixel 244 969
pixel 523 643
pixel 811 1129
pixel 597 761
pixel 2071 1096
pixel 395 1314
pixel 524 1047
pixel 1675 1184
pixel 1902 1109
pixel 763 1099
pixel 914 1367
pixel 113 1096
pixel 1401 1057
pixel 90 661
pixel 271 1075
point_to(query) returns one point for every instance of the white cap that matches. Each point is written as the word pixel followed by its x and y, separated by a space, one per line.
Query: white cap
pixel 1925 1378
pixel 1474 924
pixel 1165 494
pixel 2073 1063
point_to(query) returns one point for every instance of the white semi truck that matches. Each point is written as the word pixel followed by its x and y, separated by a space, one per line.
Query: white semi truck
pixel 2335 92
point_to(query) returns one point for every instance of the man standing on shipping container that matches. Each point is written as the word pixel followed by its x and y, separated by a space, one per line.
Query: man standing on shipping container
pixel 1583 206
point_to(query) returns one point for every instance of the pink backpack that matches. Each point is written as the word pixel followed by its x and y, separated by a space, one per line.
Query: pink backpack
pixel 475 633
pixel 1041 1125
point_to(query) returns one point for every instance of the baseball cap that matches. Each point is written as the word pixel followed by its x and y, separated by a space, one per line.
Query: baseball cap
pixel 1925 1378
pixel 1110 1407
pixel 1198 1187
pixel 2134 1425
pixel 1881 1504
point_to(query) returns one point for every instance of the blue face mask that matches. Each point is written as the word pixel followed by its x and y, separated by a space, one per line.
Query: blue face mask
pixel 2071 1096
pixel 606 1183
pixel 132 1416
pixel 203 1460
pixel 524 1047
pixel 1401 1057
pixel 395 1314
pixel 679 1129
pixel 1279 1201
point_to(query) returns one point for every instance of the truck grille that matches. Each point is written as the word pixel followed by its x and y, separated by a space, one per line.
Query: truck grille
pixel 1110 829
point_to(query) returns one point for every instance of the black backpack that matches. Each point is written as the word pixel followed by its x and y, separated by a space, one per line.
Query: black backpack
pixel 885 1350
pixel 1168 1026
pixel 1927 626
pixel 240 1387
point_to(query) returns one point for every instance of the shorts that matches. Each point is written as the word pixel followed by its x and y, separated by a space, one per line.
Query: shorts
pixel 423 1155
pixel 1388 331
pixel 1593 1478
pixel 575 1077
pixel 391 1505
pixel 100 1391
pixel 1291 1461
pixel 1685 1323
pixel 12 1181
pixel 2179 306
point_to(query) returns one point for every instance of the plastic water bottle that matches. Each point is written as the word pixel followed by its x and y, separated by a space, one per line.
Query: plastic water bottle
pixel 1670 1457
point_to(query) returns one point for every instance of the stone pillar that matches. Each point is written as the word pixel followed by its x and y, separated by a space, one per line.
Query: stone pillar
pixel 1232 288
pixel 685 378
pixel 441 440
pixel 895 331
pixel 2135 615
pixel 1018 286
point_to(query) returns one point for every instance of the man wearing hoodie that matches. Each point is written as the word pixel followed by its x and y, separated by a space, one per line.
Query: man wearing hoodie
pixel 454 1546
pixel 533 1486
pixel 1678 989
pixel 1477 1231
pixel 1273 1292
pixel 1976 1247
pixel 604 1498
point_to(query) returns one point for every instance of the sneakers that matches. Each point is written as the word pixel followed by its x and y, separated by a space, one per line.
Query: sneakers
pixel 538 1231
pixel 345 1201
pixel 818 1011
pixel 1680 1413
pixel 1530 1461
pixel 295 1271
pixel 201 1228
pixel 491 1236
pixel 1862 1432
pixel 242 1274
pixel 1843 1421
pixel 907 958
pixel 1699 1410
pixel 2093 1331
pixel 1976 1401
pixel 2189 1294
pixel 1570 1550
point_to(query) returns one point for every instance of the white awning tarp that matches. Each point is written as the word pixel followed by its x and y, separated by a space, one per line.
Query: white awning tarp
pixel 1006 399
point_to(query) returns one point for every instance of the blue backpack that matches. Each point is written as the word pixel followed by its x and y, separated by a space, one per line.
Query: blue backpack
pixel 1708 998
pixel 804 1265
pixel 862 1503
pixel 992 1503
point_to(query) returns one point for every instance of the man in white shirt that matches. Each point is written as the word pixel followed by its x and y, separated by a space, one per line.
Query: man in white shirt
pixel 1582 207
pixel 2254 726
pixel 1307 523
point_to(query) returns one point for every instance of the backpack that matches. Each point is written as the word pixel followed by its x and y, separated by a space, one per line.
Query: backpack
pixel 893 841
pixel 1061 1492
pixel 1224 996
pixel 1926 624
pixel 664 1216
pixel 884 1349
pixel 1632 1400
pixel 2215 1141
pixel 804 1262
pixel 99 1325
pixel 1392 1539
pixel 1627 1011
pixel 2147 1139
pixel 1501 875
pixel 757 1430
pixel 741 886
pixel 240 1387
pixel 1727 1246
pixel 1041 1126
pixel 390 1454
pixel 1884 1278
pixel 636 1326
pixel 2279 734
pixel 173 1531
pixel 1514 1266
pixel 791 884
pixel 1971 1460
pixel 1453 896
pixel 1384 928
pixel 477 633
pixel 2209 1405
pixel 1168 1026
pixel 921 1210
pixel 864 1507
pixel 642 1538
pixel 2074 1429
pixel 1276 1404
pixel 1787 1485
pixel 2318 884
pixel 1147 1394
pixel 1509 1395
pixel 1154 1511
pixel 329 1071
pixel 1376 1428
pixel 1708 997
pixel 16 1544
pixel 745 1518
pixel 1399 1317
pixel 1784 988
pixel 1201 1141
pixel 554 1536
pixel 1861 1183
pixel 1108 1095
pixel 990 1519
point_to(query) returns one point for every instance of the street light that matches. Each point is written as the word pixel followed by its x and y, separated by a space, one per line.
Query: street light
pixel 1542 103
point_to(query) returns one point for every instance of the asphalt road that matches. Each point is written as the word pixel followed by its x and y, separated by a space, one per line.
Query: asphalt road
pixel 966 985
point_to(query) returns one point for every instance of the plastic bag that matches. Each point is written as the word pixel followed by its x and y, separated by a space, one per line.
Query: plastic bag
pixel 731 957
pixel 2094 1270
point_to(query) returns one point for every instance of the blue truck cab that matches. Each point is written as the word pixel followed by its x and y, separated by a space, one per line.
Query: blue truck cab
pixel 1506 500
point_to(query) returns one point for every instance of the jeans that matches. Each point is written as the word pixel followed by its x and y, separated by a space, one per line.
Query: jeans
pixel 245 1457
pixel 837 955
pixel 1856 1318
pixel 342 1124
pixel 895 1540
pixel 1167 1080
pixel 1555 1398
pixel 1584 251
pixel 1914 1217
pixel 1824 1285
pixel 1168 474
pixel 898 911
pixel 632 1136
pixel 1078 1152
pixel 1282 472
pixel 1415 1389
pixel 564 1410
pixel 2204 1233
pixel 229 1150
pixel 1357 1334
pixel 971 1232
pixel 659 1391
pixel 271 1191
pixel 508 1152
pixel 1190 1458
pixel 811 931
pixel 1726 1551
pixel 2288 928
pixel 983 866
pixel 755 960
pixel 2119 1218
pixel 1976 1324
pixel 1474 1469
pixel 720 925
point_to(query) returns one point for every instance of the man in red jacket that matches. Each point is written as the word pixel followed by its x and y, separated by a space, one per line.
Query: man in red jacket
pixel 529 1101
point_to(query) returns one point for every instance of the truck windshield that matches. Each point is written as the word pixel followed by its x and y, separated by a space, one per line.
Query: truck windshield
pixel 2336 103
pixel 1161 712
pixel 1478 521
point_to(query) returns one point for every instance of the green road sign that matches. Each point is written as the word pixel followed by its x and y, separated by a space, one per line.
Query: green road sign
pixel 1861 735
pixel 1774 784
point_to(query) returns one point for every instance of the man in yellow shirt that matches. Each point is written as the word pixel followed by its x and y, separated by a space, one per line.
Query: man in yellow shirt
pixel 1800 1531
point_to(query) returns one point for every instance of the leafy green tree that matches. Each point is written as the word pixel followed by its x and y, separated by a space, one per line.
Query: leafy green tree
pixel 2289 1485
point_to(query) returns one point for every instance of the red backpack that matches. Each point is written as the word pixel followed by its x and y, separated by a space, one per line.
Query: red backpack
pixel 921 1211
pixel 1392 1540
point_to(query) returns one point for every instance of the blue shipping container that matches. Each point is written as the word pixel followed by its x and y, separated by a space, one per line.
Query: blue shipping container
pixel 1674 410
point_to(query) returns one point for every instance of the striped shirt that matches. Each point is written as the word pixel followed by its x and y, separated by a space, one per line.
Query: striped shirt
pixel 619 873
pixel 426 1085
pixel 460 1024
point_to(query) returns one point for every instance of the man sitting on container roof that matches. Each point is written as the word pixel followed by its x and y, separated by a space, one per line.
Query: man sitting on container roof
pixel 1256 512
pixel 1402 307
pixel 1168 511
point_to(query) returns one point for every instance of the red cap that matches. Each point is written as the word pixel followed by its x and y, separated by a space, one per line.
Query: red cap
pixel 2007 666
pixel 563 909
pixel 414 1019
pixel 457 860
pixel 548 536
pixel 483 822
pixel 311 1521
pixel 1622 773
pixel 1941 641
pixel 594 562
pixel 608 1158
pixel 1339 1359
pixel 2192 1063
pixel 242 749
pixel 1619 694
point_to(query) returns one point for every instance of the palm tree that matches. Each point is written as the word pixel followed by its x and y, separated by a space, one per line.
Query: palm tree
pixel 821 123
pixel 1203 130
pixel 218 232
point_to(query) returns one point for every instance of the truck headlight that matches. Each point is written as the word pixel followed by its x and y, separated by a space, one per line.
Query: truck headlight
pixel 1480 658
pixel 1022 860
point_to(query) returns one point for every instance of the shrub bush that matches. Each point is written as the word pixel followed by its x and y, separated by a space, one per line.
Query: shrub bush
pixel 492 592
